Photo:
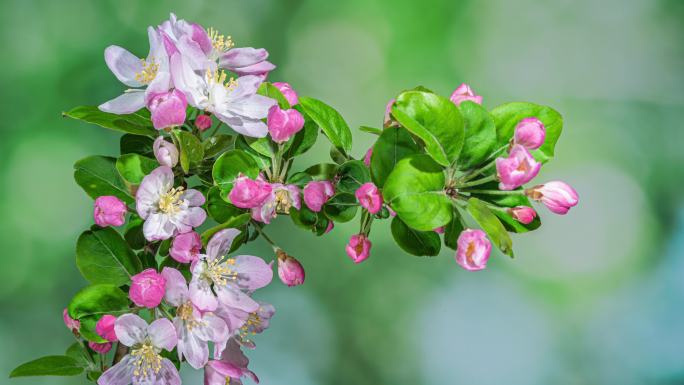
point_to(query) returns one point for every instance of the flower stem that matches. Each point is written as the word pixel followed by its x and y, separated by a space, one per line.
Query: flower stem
pixel 477 182
pixel 496 192
pixel 261 232
pixel 471 175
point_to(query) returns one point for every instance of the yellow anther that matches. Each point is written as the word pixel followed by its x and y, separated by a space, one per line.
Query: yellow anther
pixel 219 274
pixel 170 203
pixel 283 201
pixel 146 361
pixel 220 42
pixel 148 72
pixel 220 77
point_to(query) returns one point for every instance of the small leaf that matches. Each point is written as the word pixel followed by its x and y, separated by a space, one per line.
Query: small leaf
pixel 94 301
pixel 299 178
pixel 352 175
pixel 511 200
pixel 322 171
pixel 420 243
pixel 480 135
pixel 229 165
pixel 304 139
pixel 134 123
pixel 491 225
pixel 309 220
pixel 191 150
pixel 134 167
pixel 262 146
pixel 261 160
pixel 103 256
pixel 218 144
pixel 219 208
pixel 98 176
pixel 341 207
pixel 49 366
pixel 269 90
pixel 453 230
pixel 371 130
pixel 232 223
pixel 330 121
pixel 393 145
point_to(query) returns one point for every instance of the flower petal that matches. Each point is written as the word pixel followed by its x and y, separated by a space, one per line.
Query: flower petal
pixel 153 185
pixel 123 64
pixel 158 227
pixel 119 374
pixel 163 334
pixel 242 57
pixel 130 329
pixel 220 243
pixel 230 295
pixel 201 294
pixel 186 80
pixel 127 103
pixel 176 287
pixel 194 349
pixel 255 69
pixel 253 272
pixel 168 375
pixel 194 197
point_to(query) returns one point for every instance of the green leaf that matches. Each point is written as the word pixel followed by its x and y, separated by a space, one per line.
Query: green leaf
pixel 218 208
pixel 269 90
pixel 93 302
pixel 337 156
pixel 415 191
pixel 304 139
pixel 103 256
pixel 130 144
pixel 98 176
pixel 79 354
pixel 480 135
pixel 48 366
pixel 393 145
pixel 420 243
pixel 262 146
pixel 218 144
pixel 191 150
pixel 261 160
pixel 511 200
pixel 330 121
pixel 134 167
pixel 507 116
pixel 453 230
pixel 229 165
pixel 134 123
pixel 299 178
pixel 322 171
pixel 371 130
pixel 341 207
pixel 232 223
pixel 491 225
pixel 134 233
pixel 435 120
pixel 352 175
pixel 309 220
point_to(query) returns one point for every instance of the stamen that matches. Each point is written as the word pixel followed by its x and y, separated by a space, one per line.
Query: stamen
pixel 283 201
pixel 220 77
pixel 148 72
pixel 248 329
pixel 185 313
pixel 220 42
pixel 170 203
pixel 220 274
pixel 147 361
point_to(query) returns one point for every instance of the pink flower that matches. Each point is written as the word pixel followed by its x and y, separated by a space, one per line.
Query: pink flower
pixel 105 328
pixel 387 121
pixel 147 288
pixel 230 368
pixel 246 61
pixel 186 247
pixel 558 196
pixel 358 248
pixel 243 325
pixel 109 211
pixel 288 93
pixel 71 324
pixel 530 133
pixel 516 170
pixel 316 193
pixel 103 348
pixel 248 193
pixel 463 93
pixel 369 197
pixel 282 198
pixel 165 152
pixel 473 249
pixel 290 270
pixel 283 124
pixel 203 122
pixel 523 214
pixel 367 157
pixel 168 109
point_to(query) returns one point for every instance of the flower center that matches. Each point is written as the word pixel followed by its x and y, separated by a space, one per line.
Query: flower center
pixel 283 201
pixel 170 203
pixel 147 361
pixel 248 329
pixel 185 313
pixel 218 273
pixel 470 250
pixel 220 42
pixel 220 77
pixel 148 72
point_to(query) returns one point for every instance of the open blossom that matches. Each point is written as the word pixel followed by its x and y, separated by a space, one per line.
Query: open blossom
pixel 288 93
pixel 230 368
pixel 369 197
pixel 194 329
pixel 167 210
pixel 248 193
pixel 516 170
pixel 70 323
pixel 473 249
pixel 109 211
pixel 316 193
pixel 246 61
pixel 358 248
pixel 523 214
pixel 186 247
pixel 243 326
pixel 218 280
pixel 557 196
pixel 290 270
pixel 165 152
pixel 529 133
pixel 463 93
pixel 281 200
pixel 144 363
pixel 283 124
pixel 103 348
pixel 167 109
pixel 147 288
pixel 203 122
pixel 105 328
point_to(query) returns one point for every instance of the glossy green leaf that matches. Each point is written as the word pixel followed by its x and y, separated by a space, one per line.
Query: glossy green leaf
pixel 134 167
pixel 218 208
pixel 330 121
pixel 92 302
pixel 232 223
pixel 352 175
pixel 103 256
pixel 341 207
pixel 191 150
pixel 217 145
pixel 322 171
pixel 263 146
pixel 98 176
pixel 491 225
pixel 371 130
pixel 49 366
pixel 393 145
pixel 269 90
pixel 304 139
pixel 420 243
pixel 261 160
pixel 300 179
pixel 309 220
pixel 136 144
pixel 480 135
pixel 78 353
pixel 229 165
pixel 134 123
pixel 453 230
pixel 506 201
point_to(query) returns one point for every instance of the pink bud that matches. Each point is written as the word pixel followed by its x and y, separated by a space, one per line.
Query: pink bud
pixel 530 133
pixel 287 92
pixel 439 230
pixel 203 122
pixel 165 152
pixel 109 211
pixel 558 196
pixel 147 288
pixel 168 109
pixel 290 270
pixel 283 124
pixel 105 328
pixel 369 197
pixel 331 226
pixel 463 93
pixel 358 248
pixel 316 193
pixel 523 214
pixel 387 121
pixel 248 193
pixel 71 324
pixel 473 249
pixel 186 247
pixel 516 170
pixel 100 348
pixel 367 157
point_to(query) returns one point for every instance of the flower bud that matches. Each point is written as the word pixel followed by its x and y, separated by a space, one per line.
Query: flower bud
pixel 71 324
pixel 473 249
pixel 288 93
pixel 249 193
pixel 105 328
pixel 168 109
pixel 529 133
pixel 186 247
pixel 147 288
pixel 165 152
pixel 463 93
pixel 367 157
pixel 369 197
pixel 558 196
pixel 109 211
pixel 387 121
pixel 100 348
pixel 331 226
pixel 316 193
pixel 203 122
pixel 439 230
pixel 358 248
pixel 283 124
pixel 290 270
pixel 522 214
pixel 516 170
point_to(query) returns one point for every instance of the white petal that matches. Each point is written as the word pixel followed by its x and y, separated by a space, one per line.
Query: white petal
pixel 130 329
pixel 119 374
pixel 163 334
pixel 123 64
pixel 185 79
pixel 158 227
pixel 219 245
pixel 127 103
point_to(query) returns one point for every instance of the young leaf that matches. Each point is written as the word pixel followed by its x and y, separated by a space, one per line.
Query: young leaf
pixel 491 225
pixel 371 130
pixel 480 135
pixel 103 256
pixel 98 176
pixel 330 121
pixel 134 167
pixel 217 144
pixel 341 207
pixel 49 366
pixel 415 191
pixel 435 120
pixel 229 165
pixel 269 90
pixel 191 150
pixel 352 174
pixel 92 302
pixel 134 123
pixel 393 145
pixel 420 243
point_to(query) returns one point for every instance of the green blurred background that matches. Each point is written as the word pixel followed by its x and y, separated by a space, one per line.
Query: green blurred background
pixel 595 297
